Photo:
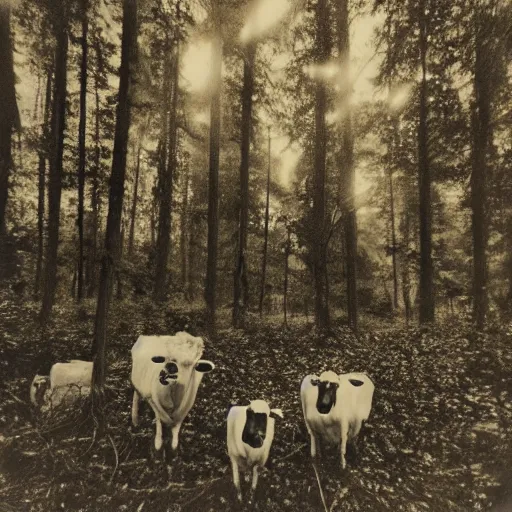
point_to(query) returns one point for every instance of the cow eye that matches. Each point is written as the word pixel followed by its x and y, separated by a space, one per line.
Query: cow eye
pixel 315 382
pixel 356 382
pixel 158 359
pixel 204 366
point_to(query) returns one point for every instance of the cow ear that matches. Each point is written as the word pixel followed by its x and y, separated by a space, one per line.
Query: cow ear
pixel 274 413
pixel 204 366
pixel 158 359
pixel 314 382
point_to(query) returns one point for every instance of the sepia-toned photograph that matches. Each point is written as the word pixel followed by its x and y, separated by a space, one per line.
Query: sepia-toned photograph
pixel 256 255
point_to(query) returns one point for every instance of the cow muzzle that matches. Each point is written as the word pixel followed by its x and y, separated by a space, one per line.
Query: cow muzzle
pixel 168 374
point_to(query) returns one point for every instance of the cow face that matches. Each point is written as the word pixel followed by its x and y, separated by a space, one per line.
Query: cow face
pixel 255 428
pixel 180 371
pixel 39 386
pixel 326 395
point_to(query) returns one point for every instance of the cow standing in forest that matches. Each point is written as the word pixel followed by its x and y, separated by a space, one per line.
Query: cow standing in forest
pixel 66 382
pixel 250 432
pixel 167 371
pixel 335 407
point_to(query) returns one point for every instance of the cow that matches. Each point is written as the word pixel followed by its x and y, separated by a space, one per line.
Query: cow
pixel 66 382
pixel 166 372
pixel 335 407
pixel 250 432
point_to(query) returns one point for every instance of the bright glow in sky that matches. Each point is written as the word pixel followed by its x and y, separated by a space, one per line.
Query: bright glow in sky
pixel 196 65
pixel 265 16
pixel 399 97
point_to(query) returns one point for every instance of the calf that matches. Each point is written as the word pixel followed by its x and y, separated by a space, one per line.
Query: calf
pixel 66 382
pixel 335 407
pixel 167 371
pixel 250 431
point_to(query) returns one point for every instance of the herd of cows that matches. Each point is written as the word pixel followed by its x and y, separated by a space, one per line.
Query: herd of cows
pixel 167 371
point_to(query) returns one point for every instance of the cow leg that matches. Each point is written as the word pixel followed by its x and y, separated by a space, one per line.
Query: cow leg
pixel 314 444
pixel 135 408
pixel 254 480
pixel 344 436
pixel 236 479
pixel 175 434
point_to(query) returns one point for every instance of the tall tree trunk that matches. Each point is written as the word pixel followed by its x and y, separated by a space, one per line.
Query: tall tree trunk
pixel 184 237
pixel 56 154
pixel 427 308
pixel 287 251
pixel 319 248
pixel 134 200
pixel 265 234
pixel 213 178
pixel 9 117
pixel 164 186
pixel 347 164
pixel 241 292
pixel 95 192
pixel 406 281
pixel 481 118
pixel 393 239
pixel 43 155
pixel 115 207
pixel 81 150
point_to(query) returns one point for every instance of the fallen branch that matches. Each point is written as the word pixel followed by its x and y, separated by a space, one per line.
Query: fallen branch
pixel 205 488
pixel 303 445
pixel 117 458
pixel 320 488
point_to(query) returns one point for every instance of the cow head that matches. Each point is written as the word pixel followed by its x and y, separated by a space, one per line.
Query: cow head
pixel 40 385
pixel 328 385
pixel 255 428
pixel 180 371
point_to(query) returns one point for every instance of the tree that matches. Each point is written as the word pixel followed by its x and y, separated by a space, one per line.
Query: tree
pixel 43 156
pixel 60 26
pixel 81 148
pixel 115 207
pixel 241 292
pixel 265 233
pixel 319 173
pixel 213 173
pixel 426 313
pixel 347 192
pixel 9 116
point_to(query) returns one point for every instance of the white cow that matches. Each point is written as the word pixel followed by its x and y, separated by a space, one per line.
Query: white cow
pixel 335 407
pixel 250 431
pixel 167 371
pixel 66 382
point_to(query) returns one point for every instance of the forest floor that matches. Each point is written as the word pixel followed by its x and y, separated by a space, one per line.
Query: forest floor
pixel 439 437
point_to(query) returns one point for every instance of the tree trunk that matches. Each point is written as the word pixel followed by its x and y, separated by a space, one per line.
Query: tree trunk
pixel 184 237
pixel 481 118
pixel 9 117
pixel 134 201
pixel 406 281
pixel 265 234
pixel 425 206
pixel 95 192
pixel 347 164
pixel 81 150
pixel 43 155
pixel 393 239
pixel 164 186
pixel 287 251
pixel 213 179
pixel 115 207
pixel 56 154
pixel 319 248
pixel 241 291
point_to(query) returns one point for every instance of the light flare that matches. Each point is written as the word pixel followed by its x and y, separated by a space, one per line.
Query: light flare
pixel 263 17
